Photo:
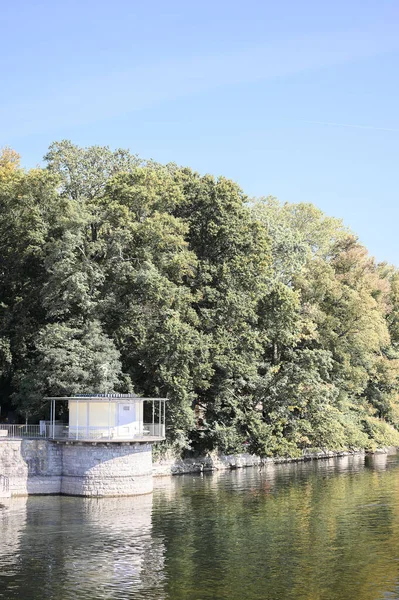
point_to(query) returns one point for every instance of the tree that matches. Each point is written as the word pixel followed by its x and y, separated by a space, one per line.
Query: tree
pixel 67 359
pixel 84 172
pixel 267 325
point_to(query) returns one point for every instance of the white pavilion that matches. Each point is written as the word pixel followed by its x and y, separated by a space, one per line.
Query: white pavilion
pixel 109 417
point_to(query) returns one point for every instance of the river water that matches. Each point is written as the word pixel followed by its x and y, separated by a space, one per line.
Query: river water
pixel 322 530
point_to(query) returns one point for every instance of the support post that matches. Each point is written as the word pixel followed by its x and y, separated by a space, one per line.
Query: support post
pixel 51 419
pixel 159 417
pixel 153 417
pixel 77 420
pixel 109 418
pixel 53 424
pixel 164 419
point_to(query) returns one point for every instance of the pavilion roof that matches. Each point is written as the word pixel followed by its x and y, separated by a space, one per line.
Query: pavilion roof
pixel 117 398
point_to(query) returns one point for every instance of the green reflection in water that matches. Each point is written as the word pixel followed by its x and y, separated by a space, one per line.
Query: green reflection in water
pixel 323 531
pixel 327 530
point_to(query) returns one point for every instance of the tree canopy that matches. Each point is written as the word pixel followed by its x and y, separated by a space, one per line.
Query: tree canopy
pixel 268 325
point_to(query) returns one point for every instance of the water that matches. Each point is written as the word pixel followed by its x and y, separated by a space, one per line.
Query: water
pixel 327 530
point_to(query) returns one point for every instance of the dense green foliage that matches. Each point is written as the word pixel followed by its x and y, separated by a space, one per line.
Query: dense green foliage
pixel 268 326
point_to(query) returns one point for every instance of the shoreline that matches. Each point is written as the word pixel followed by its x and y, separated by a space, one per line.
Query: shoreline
pixel 32 467
pixel 169 466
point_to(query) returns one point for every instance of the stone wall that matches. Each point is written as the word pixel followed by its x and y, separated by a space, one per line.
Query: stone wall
pixel 31 466
pixel 46 467
pixel 170 465
pixel 106 469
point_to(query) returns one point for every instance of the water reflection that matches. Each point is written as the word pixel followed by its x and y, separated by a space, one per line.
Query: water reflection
pixel 326 530
pixel 377 462
pixel 80 548
pixel 12 525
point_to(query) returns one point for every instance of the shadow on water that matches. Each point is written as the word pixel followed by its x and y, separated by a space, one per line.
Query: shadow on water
pixel 323 530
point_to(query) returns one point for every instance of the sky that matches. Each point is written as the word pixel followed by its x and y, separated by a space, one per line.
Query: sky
pixel 298 100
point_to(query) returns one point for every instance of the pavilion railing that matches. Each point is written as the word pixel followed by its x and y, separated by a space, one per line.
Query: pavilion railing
pixel 59 431
pixel 73 432
pixel 154 429
pixel 14 431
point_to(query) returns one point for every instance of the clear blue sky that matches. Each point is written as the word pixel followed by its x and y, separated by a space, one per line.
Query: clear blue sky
pixel 295 99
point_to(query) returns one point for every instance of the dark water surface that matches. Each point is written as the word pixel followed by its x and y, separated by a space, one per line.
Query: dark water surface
pixel 326 530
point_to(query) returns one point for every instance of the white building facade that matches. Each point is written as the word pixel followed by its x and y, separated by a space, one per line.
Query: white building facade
pixel 109 417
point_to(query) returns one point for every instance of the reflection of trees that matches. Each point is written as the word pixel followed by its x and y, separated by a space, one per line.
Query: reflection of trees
pixel 87 548
pixel 322 531
pixel 12 525
pixel 325 531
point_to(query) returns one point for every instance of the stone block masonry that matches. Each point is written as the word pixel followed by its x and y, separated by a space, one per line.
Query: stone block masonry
pixel 31 466
pixel 95 469
pixel 79 469
pixel 106 469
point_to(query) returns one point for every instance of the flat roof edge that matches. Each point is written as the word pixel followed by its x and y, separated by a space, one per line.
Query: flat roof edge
pixel 103 398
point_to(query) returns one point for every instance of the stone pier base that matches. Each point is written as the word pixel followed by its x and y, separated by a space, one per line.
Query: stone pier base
pixel 113 469
pixel 91 469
